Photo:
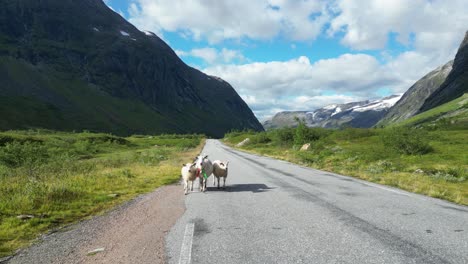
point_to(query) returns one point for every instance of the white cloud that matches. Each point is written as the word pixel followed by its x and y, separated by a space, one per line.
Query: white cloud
pixel 212 55
pixel 431 31
pixel 220 20
pixel 300 85
pixel 366 24
pixel 208 54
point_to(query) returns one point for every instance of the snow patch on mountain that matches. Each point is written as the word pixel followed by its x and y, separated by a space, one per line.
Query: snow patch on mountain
pixel 149 33
pixel 378 105
pixel 123 33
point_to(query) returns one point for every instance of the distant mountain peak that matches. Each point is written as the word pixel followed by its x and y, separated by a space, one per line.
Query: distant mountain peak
pixel 357 114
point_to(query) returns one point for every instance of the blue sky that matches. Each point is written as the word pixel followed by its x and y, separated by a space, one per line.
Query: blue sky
pixel 304 54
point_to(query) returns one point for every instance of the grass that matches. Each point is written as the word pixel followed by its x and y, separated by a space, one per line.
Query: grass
pixel 440 116
pixel 60 178
pixel 430 162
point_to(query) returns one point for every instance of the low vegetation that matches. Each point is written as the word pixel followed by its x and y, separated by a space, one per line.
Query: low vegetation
pixel 50 179
pixel 422 160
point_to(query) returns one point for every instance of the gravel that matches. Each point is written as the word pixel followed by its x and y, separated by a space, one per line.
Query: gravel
pixel 132 233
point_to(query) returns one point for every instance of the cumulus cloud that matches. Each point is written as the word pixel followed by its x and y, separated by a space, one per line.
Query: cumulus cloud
pixel 430 31
pixel 212 55
pixel 298 84
pixel 220 20
pixel 367 24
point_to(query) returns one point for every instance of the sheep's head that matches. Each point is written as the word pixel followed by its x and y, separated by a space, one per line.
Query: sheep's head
pixel 198 161
pixel 224 164
pixel 191 167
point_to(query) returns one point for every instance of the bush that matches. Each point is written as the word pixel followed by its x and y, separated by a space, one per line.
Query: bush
pixel 353 133
pixel 283 136
pixel 260 138
pixel 300 133
pixel 304 134
pixel 407 141
pixel 16 154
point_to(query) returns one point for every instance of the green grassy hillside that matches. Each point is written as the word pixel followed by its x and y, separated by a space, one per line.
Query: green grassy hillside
pixel 454 113
pixel 60 178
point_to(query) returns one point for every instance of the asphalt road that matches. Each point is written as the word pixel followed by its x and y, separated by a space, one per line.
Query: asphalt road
pixel 276 212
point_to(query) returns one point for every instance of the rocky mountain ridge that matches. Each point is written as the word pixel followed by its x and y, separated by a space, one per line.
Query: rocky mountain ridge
pixel 355 114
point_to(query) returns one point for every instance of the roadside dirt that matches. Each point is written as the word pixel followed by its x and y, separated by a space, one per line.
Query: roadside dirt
pixel 132 233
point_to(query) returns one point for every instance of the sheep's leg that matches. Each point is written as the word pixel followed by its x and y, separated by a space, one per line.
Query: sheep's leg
pixel 185 186
pixel 224 182
pixel 218 181
pixel 191 186
pixel 214 180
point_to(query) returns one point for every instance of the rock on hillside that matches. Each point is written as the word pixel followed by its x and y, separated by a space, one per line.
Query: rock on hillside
pixel 456 83
pixel 414 98
pixel 76 64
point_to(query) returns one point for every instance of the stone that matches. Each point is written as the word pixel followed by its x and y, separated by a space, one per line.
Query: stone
pixel 305 147
pixel 243 143
pixel 94 252
pixel 25 217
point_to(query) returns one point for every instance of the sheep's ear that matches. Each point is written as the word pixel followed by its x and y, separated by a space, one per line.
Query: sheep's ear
pixel 227 162
pixel 194 164
pixel 221 163
pixel 206 156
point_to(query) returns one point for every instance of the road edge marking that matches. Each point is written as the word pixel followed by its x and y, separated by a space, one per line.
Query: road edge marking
pixel 186 249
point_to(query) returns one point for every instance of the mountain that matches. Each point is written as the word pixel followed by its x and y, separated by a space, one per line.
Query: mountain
pixel 456 83
pixel 451 115
pixel 361 114
pixel 76 64
pixel 414 98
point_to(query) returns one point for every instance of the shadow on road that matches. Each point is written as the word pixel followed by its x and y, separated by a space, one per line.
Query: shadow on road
pixel 255 188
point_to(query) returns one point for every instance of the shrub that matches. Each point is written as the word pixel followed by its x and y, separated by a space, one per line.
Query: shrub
pixel 283 136
pixel 260 138
pixel 353 133
pixel 304 134
pixel 300 133
pixel 16 154
pixel 406 141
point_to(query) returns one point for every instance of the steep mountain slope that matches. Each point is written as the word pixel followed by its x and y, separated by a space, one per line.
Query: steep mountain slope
pixel 414 98
pixel 76 64
pixel 356 114
pixel 456 83
pixel 453 114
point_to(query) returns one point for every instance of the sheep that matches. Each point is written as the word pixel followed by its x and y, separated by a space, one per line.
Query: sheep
pixel 204 170
pixel 189 174
pixel 220 169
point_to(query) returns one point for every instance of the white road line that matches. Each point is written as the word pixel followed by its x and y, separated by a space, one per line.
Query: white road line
pixel 186 250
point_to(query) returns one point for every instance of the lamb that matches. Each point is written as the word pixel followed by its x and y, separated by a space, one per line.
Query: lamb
pixel 204 170
pixel 220 169
pixel 189 174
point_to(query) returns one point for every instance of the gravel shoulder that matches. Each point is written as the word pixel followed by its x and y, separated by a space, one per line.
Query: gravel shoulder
pixel 131 233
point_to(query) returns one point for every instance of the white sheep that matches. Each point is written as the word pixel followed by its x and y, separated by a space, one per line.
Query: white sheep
pixel 189 174
pixel 220 169
pixel 204 170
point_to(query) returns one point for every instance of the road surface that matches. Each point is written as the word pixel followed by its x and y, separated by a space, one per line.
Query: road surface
pixel 276 212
